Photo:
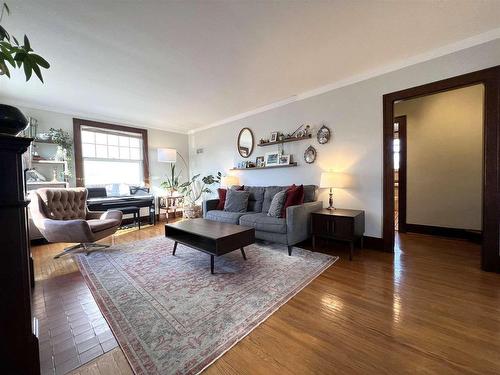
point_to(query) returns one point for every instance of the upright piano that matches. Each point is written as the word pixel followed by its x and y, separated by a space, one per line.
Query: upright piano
pixel 98 200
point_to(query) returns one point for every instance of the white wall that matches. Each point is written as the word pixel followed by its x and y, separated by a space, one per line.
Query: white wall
pixel 354 114
pixel 445 158
pixel 156 139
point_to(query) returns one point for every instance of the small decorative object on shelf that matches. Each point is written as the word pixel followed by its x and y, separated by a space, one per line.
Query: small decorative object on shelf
pixel 284 159
pixel 323 135
pixel 259 161
pixel 310 155
pixel 272 158
pixel 301 132
pixel 274 136
pixel 263 141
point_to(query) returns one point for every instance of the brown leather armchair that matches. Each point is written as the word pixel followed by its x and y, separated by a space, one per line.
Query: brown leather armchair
pixel 61 215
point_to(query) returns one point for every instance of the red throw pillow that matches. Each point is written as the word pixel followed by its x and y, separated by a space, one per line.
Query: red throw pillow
pixel 294 196
pixel 222 198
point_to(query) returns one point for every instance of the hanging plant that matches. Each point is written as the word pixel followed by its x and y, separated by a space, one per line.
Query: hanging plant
pixel 16 55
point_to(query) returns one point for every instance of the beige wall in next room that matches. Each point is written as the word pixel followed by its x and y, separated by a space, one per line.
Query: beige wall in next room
pixel 445 158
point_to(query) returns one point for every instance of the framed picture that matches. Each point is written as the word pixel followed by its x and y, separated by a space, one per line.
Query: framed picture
pixel 272 158
pixel 259 161
pixel 284 159
pixel 274 137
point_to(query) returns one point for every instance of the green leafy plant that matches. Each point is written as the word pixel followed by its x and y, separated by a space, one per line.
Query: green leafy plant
pixel 194 188
pixel 17 55
pixel 172 181
pixel 61 138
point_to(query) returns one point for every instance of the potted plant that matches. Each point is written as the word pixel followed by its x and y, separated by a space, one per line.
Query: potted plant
pixel 17 55
pixel 193 190
pixel 171 184
pixel 64 144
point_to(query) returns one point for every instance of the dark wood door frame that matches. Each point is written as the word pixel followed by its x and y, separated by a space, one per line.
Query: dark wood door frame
pixel 401 120
pixel 490 78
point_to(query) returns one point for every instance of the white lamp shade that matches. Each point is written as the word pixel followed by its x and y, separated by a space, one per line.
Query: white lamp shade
pixel 229 181
pixel 167 155
pixel 334 180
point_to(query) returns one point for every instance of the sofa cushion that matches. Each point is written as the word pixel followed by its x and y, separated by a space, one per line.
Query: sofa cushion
pixel 269 193
pixel 256 198
pixel 294 197
pixel 310 193
pixel 236 201
pixel 276 208
pixel 262 222
pixel 222 198
pixel 224 216
pixel 98 225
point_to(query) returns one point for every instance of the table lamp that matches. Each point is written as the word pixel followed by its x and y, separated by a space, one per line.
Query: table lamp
pixel 229 181
pixel 333 180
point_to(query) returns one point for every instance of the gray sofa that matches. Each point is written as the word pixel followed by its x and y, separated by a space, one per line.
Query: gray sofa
pixel 296 227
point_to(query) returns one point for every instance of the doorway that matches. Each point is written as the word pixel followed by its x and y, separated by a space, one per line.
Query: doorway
pixel 399 150
pixel 490 257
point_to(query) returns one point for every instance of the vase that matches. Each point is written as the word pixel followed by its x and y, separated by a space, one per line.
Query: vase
pixel 192 211
pixel 12 120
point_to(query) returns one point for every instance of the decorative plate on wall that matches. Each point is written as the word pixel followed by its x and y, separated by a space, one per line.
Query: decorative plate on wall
pixel 323 135
pixel 310 155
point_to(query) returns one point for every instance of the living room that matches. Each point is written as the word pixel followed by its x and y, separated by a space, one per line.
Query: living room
pixel 212 187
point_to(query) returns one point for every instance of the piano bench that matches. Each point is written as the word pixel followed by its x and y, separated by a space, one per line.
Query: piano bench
pixel 131 210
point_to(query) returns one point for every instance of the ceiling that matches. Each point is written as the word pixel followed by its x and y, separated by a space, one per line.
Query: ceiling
pixel 182 65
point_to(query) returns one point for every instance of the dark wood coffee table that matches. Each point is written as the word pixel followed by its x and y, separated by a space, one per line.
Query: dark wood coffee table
pixel 211 237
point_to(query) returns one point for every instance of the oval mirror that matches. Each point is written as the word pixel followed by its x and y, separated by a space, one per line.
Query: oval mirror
pixel 245 142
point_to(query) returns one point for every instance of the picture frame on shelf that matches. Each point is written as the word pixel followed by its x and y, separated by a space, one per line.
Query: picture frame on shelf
pixel 284 159
pixel 259 161
pixel 274 136
pixel 272 158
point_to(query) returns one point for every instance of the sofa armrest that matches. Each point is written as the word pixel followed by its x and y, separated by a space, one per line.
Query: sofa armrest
pixel 102 215
pixel 298 221
pixel 94 215
pixel 209 205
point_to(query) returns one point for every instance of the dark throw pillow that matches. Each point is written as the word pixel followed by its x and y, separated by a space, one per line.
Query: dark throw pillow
pixel 236 201
pixel 294 196
pixel 276 208
pixel 222 198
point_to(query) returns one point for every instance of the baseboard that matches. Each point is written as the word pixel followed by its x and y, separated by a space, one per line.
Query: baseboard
pixel 373 243
pixel 464 234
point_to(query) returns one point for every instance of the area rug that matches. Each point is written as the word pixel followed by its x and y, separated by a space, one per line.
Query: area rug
pixel 170 315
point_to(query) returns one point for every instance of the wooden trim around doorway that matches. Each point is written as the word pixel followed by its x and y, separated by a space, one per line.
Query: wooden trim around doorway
pixel 490 78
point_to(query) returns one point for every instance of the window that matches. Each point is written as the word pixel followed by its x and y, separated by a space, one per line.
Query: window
pixel 108 154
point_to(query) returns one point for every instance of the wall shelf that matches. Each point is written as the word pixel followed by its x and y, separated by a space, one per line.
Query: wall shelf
pixel 48 141
pixel 269 167
pixel 44 161
pixel 285 141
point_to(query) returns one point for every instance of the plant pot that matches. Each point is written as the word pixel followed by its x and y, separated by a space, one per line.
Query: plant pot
pixel 192 211
pixel 12 120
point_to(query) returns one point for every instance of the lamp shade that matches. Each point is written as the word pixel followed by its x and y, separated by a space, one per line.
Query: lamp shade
pixel 167 155
pixel 334 180
pixel 229 181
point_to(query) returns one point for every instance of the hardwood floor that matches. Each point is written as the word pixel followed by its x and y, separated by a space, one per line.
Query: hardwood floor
pixel 427 309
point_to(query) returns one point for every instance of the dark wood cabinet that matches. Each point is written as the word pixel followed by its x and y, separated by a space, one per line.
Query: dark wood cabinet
pixel 339 224
pixel 19 344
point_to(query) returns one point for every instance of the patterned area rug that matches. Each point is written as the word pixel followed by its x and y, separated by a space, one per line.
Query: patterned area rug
pixel 171 316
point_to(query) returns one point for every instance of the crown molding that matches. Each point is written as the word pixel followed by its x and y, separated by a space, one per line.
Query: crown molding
pixel 420 58
pixel 86 116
